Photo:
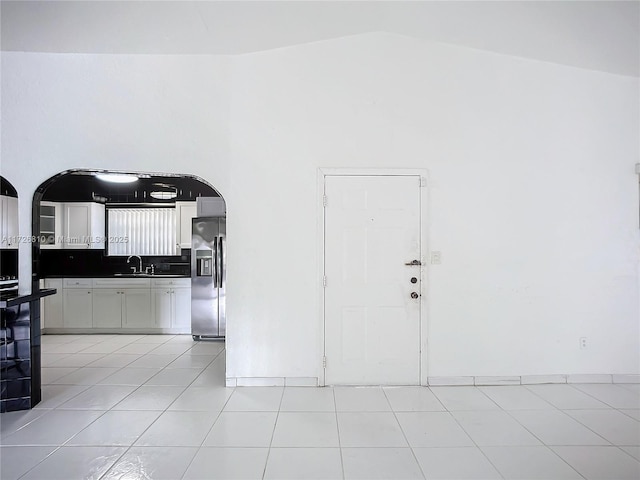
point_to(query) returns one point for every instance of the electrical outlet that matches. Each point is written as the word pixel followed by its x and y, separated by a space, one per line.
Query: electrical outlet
pixel 583 343
pixel 436 258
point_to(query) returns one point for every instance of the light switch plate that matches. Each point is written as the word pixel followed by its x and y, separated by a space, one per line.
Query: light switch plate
pixel 436 258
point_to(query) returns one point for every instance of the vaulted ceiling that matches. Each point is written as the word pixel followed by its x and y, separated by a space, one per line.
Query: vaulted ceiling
pixel 598 35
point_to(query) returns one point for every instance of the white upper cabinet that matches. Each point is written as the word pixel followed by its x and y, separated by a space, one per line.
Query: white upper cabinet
pixel 8 222
pixel 210 207
pixel 185 212
pixel 84 225
pixel 50 225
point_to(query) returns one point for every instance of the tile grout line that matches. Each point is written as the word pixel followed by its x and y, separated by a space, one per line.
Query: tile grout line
pixel 413 453
pixel 470 437
pixel 216 419
pixel 548 447
pixel 335 411
pixel 543 443
pixel 590 395
pixel 58 447
pixel 127 448
pixel 105 340
pixel 275 425
pixel 611 444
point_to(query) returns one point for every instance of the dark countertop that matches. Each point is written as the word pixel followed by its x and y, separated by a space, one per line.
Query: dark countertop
pixel 18 299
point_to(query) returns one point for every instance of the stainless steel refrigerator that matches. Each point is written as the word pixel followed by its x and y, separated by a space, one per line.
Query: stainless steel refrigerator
pixel 208 277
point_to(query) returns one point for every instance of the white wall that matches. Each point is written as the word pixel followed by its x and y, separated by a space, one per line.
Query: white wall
pixel 154 113
pixel 533 197
pixel 533 200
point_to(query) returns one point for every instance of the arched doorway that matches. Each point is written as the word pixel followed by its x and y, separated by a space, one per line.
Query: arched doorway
pixel 99 224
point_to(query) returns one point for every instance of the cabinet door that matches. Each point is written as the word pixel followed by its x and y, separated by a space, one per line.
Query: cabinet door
pixel 52 305
pixel 182 307
pixel 77 308
pixel 12 220
pixel 107 308
pixel 8 222
pixel 4 221
pixel 185 212
pixel 97 221
pixel 50 225
pixel 162 307
pixel 136 312
pixel 77 222
pixel 4 218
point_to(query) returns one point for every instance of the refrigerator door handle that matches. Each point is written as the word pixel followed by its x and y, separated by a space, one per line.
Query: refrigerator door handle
pixel 221 264
pixel 215 263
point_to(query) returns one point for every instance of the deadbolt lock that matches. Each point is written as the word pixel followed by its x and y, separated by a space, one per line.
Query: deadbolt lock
pixel 414 295
pixel 414 280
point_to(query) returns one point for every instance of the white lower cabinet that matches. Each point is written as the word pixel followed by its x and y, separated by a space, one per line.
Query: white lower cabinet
pixel 132 304
pixel 136 308
pixel 77 307
pixel 51 315
pixel 162 306
pixel 122 303
pixel 172 303
pixel 182 303
pixel 107 308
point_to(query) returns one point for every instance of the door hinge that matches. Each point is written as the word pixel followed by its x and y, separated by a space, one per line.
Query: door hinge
pixel 324 362
pixel 324 280
pixel 324 200
pixel 423 181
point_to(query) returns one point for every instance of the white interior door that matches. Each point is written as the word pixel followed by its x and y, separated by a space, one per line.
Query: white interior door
pixel 372 323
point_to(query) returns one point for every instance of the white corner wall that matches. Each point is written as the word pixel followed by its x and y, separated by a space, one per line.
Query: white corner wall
pixel 533 201
pixel 532 192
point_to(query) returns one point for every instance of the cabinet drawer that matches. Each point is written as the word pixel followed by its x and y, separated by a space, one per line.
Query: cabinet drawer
pixel 171 282
pixel 77 282
pixel 121 283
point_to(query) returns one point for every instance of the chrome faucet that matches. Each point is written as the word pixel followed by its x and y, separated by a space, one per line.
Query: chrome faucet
pixel 140 260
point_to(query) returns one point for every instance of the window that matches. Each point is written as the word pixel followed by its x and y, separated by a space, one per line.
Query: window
pixel 141 231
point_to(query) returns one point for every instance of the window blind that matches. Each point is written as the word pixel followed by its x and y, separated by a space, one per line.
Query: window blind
pixel 141 231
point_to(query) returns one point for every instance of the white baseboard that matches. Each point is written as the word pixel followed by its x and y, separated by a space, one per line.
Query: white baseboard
pixel 272 381
pixel 301 381
pixel 626 378
pixel 449 381
pixel 596 378
pixel 540 379
pixel 496 381
pixel 260 382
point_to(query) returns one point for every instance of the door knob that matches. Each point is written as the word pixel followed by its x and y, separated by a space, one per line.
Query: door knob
pixel 414 262
pixel 414 295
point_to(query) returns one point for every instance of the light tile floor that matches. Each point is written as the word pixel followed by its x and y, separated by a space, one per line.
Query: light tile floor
pixel 136 407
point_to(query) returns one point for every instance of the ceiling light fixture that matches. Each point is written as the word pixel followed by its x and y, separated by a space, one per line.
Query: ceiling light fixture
pixel 116 177
pixel 163 195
